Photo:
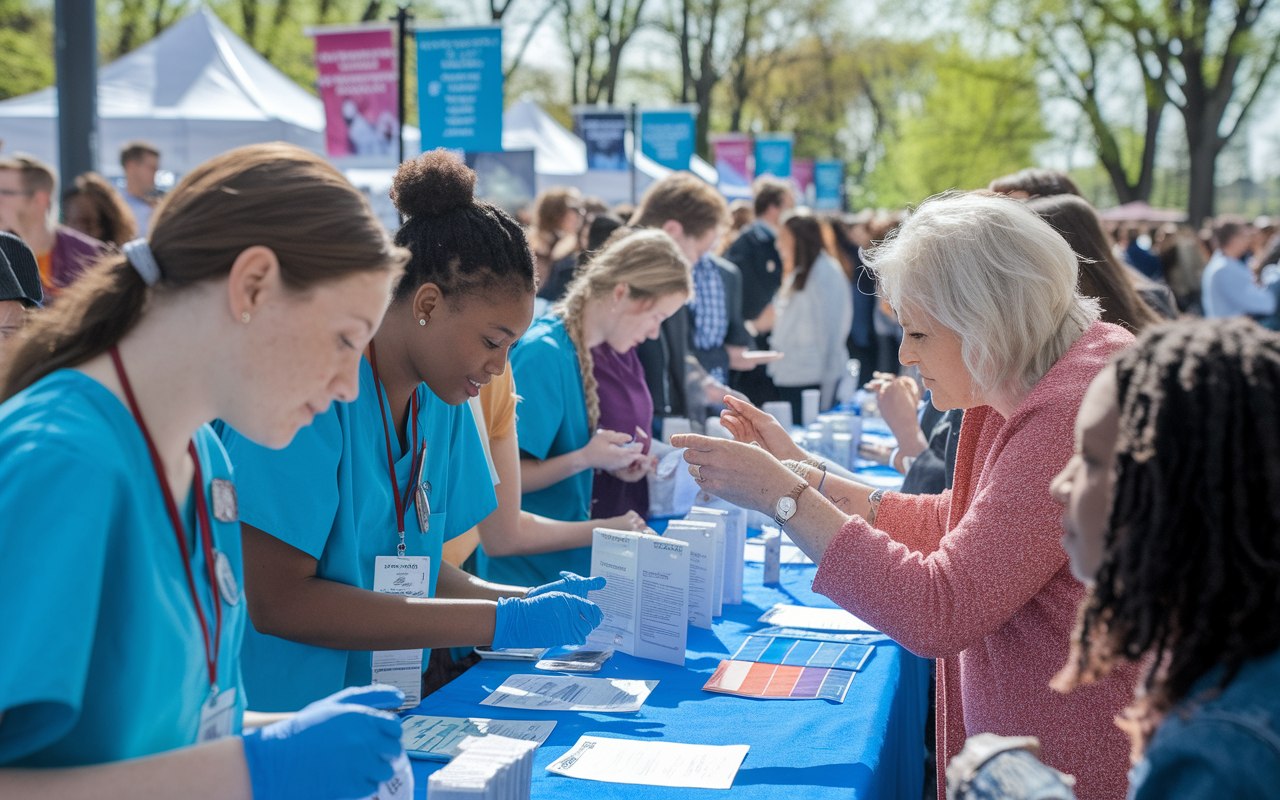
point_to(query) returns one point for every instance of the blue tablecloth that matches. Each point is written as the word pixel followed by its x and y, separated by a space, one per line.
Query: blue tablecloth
pixel 872 744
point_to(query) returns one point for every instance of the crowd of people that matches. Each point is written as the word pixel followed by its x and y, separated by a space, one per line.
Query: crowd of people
pixel 306 466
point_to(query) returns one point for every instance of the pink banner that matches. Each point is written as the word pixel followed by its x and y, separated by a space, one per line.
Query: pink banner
pixel 734 154
pixel 358 84
pixel 802 176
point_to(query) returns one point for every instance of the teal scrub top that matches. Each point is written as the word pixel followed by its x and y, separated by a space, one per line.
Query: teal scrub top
pixel 328 494
pixel 552 422
pixel 101 654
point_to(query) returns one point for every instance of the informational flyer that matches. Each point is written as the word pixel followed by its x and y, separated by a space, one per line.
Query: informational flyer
pixel 570 693
pixel 701 538
pixel 647 763
pixel 437 738
pixel 645 602
pixel 819 619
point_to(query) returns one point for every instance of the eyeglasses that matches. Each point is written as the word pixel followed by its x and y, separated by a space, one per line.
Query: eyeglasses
pixel 15 193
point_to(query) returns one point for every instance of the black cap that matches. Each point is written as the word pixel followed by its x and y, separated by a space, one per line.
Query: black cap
pixel 19 273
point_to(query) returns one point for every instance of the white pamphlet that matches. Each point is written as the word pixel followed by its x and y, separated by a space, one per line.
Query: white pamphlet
pixel 570 693
pixel 735 554
pixel 719 518
pixel 645 602
pixel 701 538
pixel 437 738
pixel 408 576
pixel 648 763
pixel 818 619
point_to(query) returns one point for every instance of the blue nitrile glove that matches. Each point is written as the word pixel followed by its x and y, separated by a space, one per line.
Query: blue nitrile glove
pixel 569 583
pixel 548 620
pixel 340 747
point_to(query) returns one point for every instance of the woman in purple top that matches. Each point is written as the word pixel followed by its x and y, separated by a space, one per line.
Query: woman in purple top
pixel 625 406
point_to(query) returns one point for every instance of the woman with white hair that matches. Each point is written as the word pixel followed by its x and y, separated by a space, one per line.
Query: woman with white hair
pixel 975 577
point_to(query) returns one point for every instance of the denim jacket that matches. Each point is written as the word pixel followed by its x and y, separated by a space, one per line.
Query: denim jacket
pixel 1224 746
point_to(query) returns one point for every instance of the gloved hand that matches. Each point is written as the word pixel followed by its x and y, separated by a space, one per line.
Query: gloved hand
pixel 569 583
pixel 548 620
pixel 340 747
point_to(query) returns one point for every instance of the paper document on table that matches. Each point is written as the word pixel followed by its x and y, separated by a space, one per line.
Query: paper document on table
pixel 820 619
pixel 566 693
pixel 817 636
pixel 780 681
pixel 437 738
pixel 645 601
pixel 720 518
pixel 644 763
pixel 701 538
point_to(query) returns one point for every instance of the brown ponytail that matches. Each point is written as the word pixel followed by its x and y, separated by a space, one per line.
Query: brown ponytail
pixel 649 263
pixel 274 195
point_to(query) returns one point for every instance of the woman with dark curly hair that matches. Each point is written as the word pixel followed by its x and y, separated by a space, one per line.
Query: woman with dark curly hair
pixel 1184 563
pixel 94 207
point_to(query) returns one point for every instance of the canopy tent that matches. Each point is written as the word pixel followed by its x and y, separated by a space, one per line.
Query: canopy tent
pixel 194 91
pixel 560 157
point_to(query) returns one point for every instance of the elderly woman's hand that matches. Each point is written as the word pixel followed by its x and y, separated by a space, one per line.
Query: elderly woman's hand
pixel 899 401
pixel 749 424
pixel 743 474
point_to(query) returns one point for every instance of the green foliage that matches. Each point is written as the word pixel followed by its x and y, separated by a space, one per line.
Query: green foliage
pixel 26 47
pixel 980 119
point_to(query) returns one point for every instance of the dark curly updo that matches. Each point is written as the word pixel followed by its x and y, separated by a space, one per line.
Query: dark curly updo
pixel 462 245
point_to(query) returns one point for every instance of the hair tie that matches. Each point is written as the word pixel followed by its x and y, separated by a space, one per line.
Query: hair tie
pixel 139 254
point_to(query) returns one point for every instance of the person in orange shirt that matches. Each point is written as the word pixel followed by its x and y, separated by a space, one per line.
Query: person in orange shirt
pixel 27 189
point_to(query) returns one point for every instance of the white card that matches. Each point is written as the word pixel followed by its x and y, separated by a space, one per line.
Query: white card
pixel 407 576
pixel 565 693
pixel 644 763
pixel 217 716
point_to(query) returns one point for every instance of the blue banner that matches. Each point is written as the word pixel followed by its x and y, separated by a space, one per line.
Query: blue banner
pixel 667 137
pixel 460 88
pixel 773 155
pixel 828 183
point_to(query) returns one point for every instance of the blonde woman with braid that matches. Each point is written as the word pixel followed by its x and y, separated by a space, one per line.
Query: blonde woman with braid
pixel 617 301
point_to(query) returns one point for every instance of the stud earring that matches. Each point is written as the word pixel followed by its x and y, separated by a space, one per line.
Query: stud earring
pixel 244 317
pixel 422 320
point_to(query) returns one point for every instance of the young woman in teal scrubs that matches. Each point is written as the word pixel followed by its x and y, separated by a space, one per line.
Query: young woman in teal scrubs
pixel 120 570
pixel 620 298
pixel 377 485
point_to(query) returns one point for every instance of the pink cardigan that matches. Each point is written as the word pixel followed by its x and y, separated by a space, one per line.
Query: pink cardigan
pixel 976 577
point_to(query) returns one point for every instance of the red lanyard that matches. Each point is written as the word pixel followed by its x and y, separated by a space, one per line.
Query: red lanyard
pixel 202 521
pixel 402 503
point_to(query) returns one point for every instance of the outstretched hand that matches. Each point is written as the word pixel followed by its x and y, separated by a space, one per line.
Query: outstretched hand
pixel 749 424
pixel 743 474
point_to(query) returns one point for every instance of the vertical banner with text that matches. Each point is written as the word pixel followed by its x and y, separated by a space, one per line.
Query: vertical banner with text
pixel 460 88
pixel 733 153
pixel 828 184
pixel 667 137
pixel 358 83
pixel 773 154
pixel 605 135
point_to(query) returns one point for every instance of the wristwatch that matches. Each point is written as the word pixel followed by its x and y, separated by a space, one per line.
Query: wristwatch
pixel 786 507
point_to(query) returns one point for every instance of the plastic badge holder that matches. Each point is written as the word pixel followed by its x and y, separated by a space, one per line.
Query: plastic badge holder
pixel 575 661
pixel 511 653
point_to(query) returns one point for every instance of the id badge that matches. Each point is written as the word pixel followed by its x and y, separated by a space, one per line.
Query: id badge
pixel 217 716
pixel 422 494
pixel 407 576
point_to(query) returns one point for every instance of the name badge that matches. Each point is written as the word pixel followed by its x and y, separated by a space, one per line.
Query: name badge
pixel 407 576
pixel 227 584
pixel 217 716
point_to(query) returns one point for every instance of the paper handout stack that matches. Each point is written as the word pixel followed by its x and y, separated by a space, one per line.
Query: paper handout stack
pixel 487 768
pixel 645 601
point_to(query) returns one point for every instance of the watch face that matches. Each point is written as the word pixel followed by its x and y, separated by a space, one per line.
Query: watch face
pixel 786 507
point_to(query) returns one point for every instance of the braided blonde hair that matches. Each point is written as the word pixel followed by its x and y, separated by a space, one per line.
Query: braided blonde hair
pixel 651 266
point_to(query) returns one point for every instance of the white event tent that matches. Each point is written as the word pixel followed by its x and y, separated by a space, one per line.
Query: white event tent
pixel 194 91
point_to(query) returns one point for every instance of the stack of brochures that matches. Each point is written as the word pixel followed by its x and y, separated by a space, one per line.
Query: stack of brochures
pixel 486 768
